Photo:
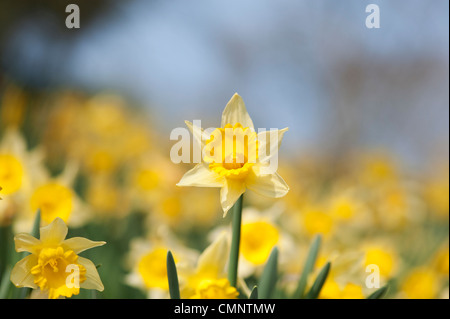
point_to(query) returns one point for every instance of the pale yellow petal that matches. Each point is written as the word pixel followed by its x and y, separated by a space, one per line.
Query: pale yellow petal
pixel 235 112
pixel 201 176
pixel 80 244
pixel 199 134
pixel 213 260
pixel 271 185
pixel 54 233
pixel 269 143
pixel 230 193
pixel 21 273
pixel 26 242
pixel 93 280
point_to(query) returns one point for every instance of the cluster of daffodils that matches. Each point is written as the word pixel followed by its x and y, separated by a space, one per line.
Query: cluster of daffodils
pixel 97 166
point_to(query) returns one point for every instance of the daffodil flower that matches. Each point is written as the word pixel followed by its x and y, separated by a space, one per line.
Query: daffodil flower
pixel 147 261
pixel 54 266
pixel 241 166
pixel 54 197
pixel 208 280
pixel 19 168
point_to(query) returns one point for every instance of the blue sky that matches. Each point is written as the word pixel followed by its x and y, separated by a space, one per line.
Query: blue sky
pixel 185 59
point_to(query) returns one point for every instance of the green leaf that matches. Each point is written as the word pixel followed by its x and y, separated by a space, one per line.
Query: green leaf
pixel 22 293
pixel 254 293
pixel 320 281
pixel 308 268
pixel 172 276
pixel 380 293
pixel 269 276
pixel 5 284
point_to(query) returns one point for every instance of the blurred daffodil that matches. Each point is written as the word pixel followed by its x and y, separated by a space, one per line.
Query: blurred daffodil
pixel 147 261
pixel 421 283
pixel 55 197
pixel 208 279
pixel 239 167
pixel 19 171
pixel 54 265
pixel 382 256
pixel 332 290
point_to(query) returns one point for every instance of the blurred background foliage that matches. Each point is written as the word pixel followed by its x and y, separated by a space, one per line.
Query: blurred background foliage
pixel 366 155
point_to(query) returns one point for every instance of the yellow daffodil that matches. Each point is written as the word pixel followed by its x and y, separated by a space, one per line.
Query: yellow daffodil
pixel 240 166
pixel 332 290
pixel 441 260
pixel 317 220
pixel 147 261
pixel 382 256
pixel 421 283
pixel 208 280
pixel 19 169
pixel 55 197
pixel 54 266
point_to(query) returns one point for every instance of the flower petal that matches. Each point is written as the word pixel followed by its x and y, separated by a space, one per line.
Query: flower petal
pixel 21 273
pixel 235 112
pixel 213 259
pixel 80 244
pixel 93 280
pixel 230 193
pixel 26 242
pixel 199 134
pixel 54 233
pixel 271 185
pixel 201 176
pixel 268 143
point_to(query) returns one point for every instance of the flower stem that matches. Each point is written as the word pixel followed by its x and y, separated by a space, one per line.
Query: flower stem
pixel 235 241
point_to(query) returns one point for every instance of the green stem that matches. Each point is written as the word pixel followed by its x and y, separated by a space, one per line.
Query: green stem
pixel 235 241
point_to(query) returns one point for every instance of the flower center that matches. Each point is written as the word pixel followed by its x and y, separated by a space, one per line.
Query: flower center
pixel 231 151
pixel 54 200
pixel 316 221
pixel 152 268
pixel 215 289
pixel 53 270
pixel 147 179
pixel 383 259
pixel 11 174
pixel 254 247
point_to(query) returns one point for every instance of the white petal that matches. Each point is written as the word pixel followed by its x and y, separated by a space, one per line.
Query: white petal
pixel 271 185
pixel 235 112
pixel 26 242
pixel 54 233
pixel 21 274
pixel 79 244
pixel 269 142
pixel 230 193
pixel 201 176
pixel 93 280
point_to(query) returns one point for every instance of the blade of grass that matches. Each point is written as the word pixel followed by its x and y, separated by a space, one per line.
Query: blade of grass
pixel 308 268
pixel 380 293
pixel 320 281
pixel 269 276
pixel 172 277
pixel 254 293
